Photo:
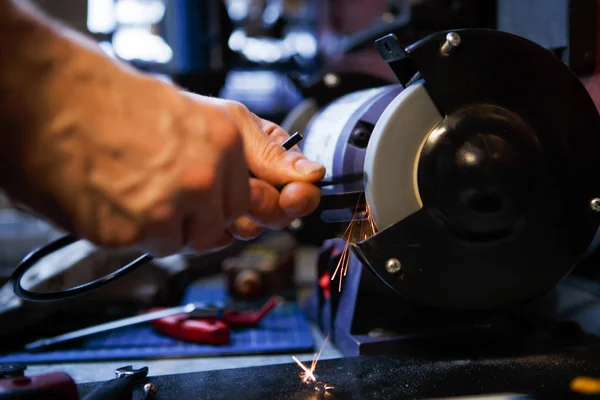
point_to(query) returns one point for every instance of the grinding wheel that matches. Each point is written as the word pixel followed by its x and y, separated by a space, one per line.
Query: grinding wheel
pixel 392 157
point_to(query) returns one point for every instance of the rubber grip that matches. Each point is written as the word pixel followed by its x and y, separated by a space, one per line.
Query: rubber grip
pixel 51 386
pixel 209 330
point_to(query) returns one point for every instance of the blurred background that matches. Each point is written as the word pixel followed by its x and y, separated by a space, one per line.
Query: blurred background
pixel 280 58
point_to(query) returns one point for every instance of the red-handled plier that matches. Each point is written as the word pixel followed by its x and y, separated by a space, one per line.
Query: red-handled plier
pixel 214 329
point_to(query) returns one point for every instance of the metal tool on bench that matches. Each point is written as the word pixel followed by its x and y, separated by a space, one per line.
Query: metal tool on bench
pixel 480 176
pixel 196 309
pixel 198 322
pixel 120 388
pixel 212 330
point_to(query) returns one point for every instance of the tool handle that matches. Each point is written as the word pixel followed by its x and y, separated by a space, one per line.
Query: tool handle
pixel 206 330
pixel 237 319
pixel 115 389
pixel 51 386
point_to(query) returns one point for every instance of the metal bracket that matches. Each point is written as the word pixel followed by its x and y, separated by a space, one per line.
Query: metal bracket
pixel 349 201
pixel 391 51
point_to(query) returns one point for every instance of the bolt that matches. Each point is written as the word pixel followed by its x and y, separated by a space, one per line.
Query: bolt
pixel 150 391
pixel 393 266
pixel 360 136
pixel 150 387
pixel 296 224
pixel 452 41
pixel 331 80
pixel 595 204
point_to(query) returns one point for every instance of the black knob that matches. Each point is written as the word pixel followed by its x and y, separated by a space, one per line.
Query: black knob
pixel 480 170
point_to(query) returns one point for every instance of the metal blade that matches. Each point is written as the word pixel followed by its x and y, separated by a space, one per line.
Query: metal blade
pixel 139 319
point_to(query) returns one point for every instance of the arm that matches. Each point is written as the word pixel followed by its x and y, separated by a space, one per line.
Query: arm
pixel 122 159
pixel 42 63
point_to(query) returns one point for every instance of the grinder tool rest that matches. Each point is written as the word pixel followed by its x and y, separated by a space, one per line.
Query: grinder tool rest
pixel 480 170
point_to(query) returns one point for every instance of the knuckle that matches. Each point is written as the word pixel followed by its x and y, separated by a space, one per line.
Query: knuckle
pixel 237 107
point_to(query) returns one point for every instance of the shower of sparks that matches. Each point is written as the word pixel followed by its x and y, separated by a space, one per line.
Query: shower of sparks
pixel 352 234
pixel 308 374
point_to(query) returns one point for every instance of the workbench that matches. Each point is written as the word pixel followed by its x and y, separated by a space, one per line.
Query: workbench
pixel 103 370
pixel 98 371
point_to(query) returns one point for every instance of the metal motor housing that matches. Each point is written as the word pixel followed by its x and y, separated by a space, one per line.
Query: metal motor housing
pixel 500 202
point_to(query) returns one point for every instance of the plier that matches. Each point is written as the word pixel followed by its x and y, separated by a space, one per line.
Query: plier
pixel 213 329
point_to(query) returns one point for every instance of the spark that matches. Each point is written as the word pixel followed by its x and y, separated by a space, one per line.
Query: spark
pixel 366 229
pixel 308 374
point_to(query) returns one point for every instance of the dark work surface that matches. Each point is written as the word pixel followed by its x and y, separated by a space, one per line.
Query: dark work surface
pixel 388 377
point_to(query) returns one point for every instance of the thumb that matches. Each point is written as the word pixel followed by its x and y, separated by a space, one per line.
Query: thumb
pixel 270 162
pixel 266 159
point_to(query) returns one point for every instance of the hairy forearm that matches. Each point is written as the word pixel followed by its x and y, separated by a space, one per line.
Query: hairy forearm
pixel 51 79
pixel 46 72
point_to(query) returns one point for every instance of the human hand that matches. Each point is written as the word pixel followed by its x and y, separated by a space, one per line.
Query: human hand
pixel 272 166
pixel 121 159
pixel 129 161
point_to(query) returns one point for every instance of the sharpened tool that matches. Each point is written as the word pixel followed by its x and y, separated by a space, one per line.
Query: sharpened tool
pixel 196 309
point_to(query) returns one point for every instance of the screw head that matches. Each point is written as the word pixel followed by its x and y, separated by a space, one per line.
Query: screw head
pixel 393 266
pixel 453 39
pixel 331 80
pixel 595 204
pixel 150 387
pixel 296 224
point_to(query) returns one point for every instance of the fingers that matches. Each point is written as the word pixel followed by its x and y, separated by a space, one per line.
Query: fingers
pixel 236 195
pixel 271 163
pixel 217 182
pixel 242 207
pixel 299 199
pixel 264 206
pixel 274 210
pixel 276 133
pixel 245 229
pixel 225 240
pixel 265 157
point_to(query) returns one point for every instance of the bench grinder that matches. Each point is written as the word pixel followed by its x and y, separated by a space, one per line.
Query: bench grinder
pixel 480 170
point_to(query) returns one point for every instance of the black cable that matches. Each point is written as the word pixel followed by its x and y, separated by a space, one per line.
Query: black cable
pixel 35 256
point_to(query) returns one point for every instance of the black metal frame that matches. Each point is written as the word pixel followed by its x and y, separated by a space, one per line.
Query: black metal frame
pixel 444 269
